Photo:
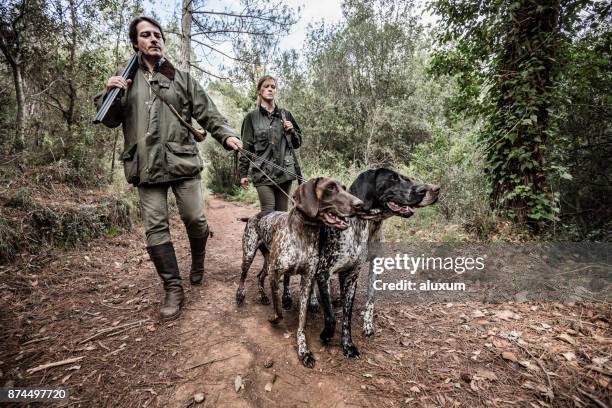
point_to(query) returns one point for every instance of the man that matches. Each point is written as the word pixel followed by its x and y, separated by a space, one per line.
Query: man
pixel 160 153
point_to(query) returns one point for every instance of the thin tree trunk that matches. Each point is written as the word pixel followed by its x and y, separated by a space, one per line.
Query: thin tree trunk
pixel 116 131
pixel 72 92
pixel 186 35
pixel 19 141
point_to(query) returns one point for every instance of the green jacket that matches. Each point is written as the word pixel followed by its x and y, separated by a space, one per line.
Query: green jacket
pixel 157 147
pixel 263 134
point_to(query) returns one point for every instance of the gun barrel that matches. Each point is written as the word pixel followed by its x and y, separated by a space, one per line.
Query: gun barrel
pixel 110 96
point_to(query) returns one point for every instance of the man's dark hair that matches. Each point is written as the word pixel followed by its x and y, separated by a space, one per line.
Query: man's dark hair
pixel 134 34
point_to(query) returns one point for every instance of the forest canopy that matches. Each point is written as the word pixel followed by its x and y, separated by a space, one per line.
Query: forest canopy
pixel 505 104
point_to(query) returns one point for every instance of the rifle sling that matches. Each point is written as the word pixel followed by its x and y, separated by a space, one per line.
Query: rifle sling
pixel 197 135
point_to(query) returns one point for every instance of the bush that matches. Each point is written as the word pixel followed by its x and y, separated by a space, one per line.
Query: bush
pixel 453 160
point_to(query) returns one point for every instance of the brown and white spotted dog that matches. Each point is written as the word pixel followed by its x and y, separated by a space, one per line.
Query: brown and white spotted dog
pixel 385 193
pixel 289 242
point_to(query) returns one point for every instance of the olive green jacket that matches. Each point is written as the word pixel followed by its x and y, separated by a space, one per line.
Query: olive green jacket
pixel 157 147
pixel 263 134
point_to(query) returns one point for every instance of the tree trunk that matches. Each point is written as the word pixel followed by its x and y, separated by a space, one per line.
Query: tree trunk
pixel 72 91
pixel 186 35
pixel 20 123
pixel 531 48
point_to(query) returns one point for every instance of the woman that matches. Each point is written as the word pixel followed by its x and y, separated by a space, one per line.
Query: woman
pixel 267 135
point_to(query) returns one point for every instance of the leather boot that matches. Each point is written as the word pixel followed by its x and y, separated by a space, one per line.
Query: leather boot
pixel 164 259
pixel 198 252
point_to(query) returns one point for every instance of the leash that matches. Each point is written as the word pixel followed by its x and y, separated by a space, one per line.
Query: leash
pixel 246 153
pixel 264 173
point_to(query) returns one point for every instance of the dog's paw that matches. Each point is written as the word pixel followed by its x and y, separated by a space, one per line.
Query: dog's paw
pixel 350 351
pixel 313 307
pixel 287 302
pixel 368 330
pixel 326 335
pixel 264 300
pixel 308 360
pixel 274 319
pixel 240 297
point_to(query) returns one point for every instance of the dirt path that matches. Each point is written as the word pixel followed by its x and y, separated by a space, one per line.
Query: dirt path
pixel 241 342
pixel 99 303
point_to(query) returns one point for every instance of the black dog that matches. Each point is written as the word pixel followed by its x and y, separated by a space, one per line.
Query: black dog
pixel 385 193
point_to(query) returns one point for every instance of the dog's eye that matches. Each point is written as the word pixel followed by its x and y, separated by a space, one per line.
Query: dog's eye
pixel 331 187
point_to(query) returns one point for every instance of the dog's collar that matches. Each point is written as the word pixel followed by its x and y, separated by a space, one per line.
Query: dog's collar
pixel 295 212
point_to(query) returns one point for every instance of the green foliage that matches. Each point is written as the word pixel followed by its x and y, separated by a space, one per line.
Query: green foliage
pixel 9 240
pixel 503 53
pixel 518 64
pixel 451 160
pixel 584 142
pixel 363 94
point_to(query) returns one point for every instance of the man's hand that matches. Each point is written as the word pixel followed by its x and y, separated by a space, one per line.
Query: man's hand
pixel 244 183
pixel 117 82
pixel 288 125
pixel 233 143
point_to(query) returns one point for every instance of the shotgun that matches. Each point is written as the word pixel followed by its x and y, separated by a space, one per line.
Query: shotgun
pixel 115 93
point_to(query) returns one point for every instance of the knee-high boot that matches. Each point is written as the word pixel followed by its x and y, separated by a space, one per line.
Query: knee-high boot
pixel 164 259
pixel 198 253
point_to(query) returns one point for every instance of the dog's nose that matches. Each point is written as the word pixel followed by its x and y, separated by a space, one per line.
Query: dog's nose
pixel 435 188
pixel 358 204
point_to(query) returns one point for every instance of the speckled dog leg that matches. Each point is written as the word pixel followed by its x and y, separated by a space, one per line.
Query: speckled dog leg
pixel 305 355
pixel 250 243
pixel 368 316
pixel 263 298
pixel 328 311
pixel 276 300
pixel 350 285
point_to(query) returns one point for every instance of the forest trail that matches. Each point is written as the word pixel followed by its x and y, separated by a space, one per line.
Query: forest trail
pixel 239 341
pixel 100 303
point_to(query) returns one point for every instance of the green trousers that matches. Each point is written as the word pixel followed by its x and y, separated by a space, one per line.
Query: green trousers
pixel 154 209
pixel 271 198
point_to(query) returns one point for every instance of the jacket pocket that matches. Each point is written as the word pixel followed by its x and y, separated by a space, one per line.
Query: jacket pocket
pixel 261 141
pixel 183 160
pixel 289 160
pixel 130 164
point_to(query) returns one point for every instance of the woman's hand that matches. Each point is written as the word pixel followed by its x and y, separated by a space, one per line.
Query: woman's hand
pixel 233 143
pixel 288 125
pixel 244 183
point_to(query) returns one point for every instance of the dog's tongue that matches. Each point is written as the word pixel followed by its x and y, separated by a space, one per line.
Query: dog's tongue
pixel 401 209
pixel 334 220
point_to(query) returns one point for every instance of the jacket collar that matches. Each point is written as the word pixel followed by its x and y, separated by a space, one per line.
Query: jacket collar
pixel 264 111
pixel 163 66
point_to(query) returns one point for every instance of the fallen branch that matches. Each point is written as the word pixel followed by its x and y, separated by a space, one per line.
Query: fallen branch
pixel 214 360
pixel 537 360
pixel 600 370
pixel 55 364
pixel 592 398
pixel 36 340
pixel 110 329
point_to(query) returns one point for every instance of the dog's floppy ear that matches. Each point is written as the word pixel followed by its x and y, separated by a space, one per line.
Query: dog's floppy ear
pixel 364 188
pixel 306 199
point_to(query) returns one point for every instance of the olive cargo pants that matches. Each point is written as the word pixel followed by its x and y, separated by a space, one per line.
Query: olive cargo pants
pixel 271 198
pixel 154 209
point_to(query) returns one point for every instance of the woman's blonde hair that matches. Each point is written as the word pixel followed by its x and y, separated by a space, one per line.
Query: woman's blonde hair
pixel 260 84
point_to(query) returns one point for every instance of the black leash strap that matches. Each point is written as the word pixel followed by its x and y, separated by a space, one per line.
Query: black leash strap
pixel 288 135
